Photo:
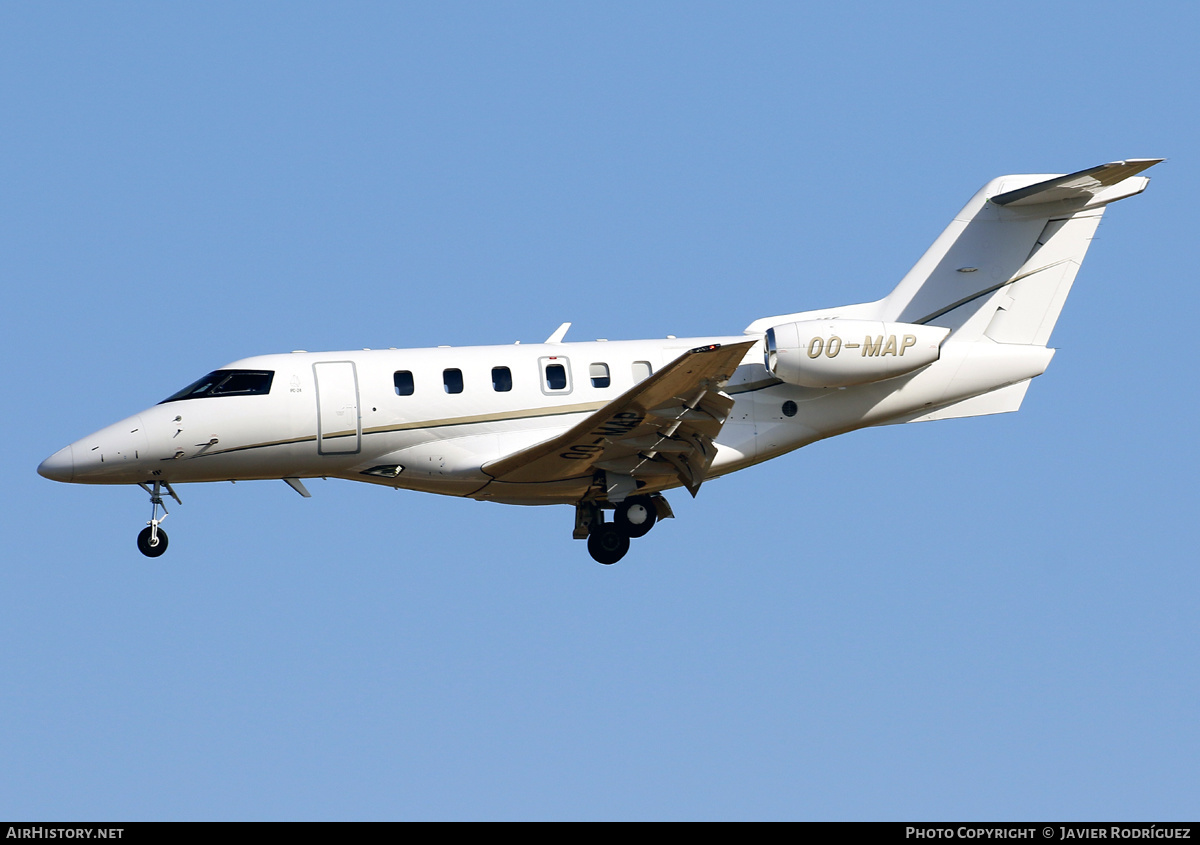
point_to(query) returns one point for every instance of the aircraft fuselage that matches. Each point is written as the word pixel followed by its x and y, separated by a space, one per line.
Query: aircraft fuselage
pixel 343 414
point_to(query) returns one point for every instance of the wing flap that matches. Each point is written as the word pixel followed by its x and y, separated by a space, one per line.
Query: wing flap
pixel 663 426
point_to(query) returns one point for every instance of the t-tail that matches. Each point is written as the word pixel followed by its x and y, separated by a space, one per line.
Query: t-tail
pixel 996 278
pixel 1005 264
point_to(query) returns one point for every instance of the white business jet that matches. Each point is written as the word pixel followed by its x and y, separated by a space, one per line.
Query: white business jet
pixel 607 427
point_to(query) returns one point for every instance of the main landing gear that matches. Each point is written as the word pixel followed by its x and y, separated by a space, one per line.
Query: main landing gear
pixel 608 542
pixel 152 541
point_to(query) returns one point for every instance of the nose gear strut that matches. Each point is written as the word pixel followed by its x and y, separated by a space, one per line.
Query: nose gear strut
pixel 152 541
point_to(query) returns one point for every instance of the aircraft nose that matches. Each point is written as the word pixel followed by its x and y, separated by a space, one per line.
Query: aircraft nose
pixel 60 466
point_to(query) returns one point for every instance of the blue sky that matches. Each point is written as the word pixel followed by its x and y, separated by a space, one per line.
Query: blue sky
pixel 976 619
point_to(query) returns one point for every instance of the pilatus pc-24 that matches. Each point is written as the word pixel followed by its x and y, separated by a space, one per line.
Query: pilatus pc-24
pixel 608 427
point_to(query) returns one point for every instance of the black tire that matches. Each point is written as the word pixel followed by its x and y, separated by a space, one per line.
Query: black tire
pixel 144 543
pixel 635 516
pixel 607 544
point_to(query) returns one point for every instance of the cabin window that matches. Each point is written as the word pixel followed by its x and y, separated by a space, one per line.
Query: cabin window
pixel 600 375
pixel 501 379
pixel 556 374
pixel 403 380
pixel 452 380
pixel 642 371
pixel 226 383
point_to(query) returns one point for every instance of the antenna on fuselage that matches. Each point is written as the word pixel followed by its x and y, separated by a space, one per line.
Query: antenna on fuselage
pixel 559 334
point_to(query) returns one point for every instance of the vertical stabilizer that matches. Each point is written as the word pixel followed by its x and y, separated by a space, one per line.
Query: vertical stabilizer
pixel 1003 267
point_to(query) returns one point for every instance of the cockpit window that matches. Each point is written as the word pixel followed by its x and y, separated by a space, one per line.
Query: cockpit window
pixel 226 383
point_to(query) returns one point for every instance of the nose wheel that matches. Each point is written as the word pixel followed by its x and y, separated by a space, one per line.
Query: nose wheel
pixel 152 540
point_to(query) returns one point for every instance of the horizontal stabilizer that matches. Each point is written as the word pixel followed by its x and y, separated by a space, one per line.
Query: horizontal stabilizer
pixel 1083 185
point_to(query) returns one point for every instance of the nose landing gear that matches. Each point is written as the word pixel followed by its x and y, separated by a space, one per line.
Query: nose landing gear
pixel 152 540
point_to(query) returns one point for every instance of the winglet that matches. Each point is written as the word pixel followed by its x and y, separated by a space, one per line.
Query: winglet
pixel 559 334
pixel 1082 185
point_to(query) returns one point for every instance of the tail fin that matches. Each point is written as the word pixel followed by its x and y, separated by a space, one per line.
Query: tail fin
pixel 1005 264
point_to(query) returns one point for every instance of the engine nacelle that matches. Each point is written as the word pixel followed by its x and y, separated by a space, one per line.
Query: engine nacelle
pixel 840 353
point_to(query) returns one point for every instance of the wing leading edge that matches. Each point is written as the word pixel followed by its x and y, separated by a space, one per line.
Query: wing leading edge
pixel 663 426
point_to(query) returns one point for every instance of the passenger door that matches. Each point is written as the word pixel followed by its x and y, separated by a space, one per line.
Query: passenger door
pixel 339 427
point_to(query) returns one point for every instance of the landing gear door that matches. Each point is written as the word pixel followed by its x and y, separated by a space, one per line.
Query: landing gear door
pixel 339 426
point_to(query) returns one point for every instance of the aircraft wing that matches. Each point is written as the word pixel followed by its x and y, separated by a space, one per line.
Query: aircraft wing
pixel 663 426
